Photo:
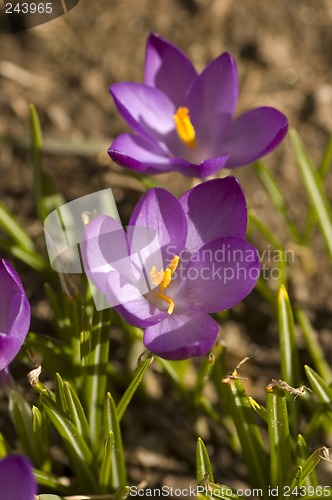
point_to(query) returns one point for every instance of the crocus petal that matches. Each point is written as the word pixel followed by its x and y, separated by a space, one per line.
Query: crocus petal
pixel 181 336
pixel 161 211
pixel 168 69
pixel 147 110
pixel 211 102
pixel 201 170
pixel 219 275
pixel 14 314
pixel 253 135
pixel 140 154
pixel 145 155
pixel 141 313
pixel 16 479
pixel 215 208
pixel 104 248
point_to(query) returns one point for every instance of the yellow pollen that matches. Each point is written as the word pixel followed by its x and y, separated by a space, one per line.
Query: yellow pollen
pixel 163 279
pixel 184 127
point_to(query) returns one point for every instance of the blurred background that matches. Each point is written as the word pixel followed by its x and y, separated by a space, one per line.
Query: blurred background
pixel 284 54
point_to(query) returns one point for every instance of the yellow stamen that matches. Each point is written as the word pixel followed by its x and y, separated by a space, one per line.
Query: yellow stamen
pixel 167 299
pixel 184 127
pixel 163 279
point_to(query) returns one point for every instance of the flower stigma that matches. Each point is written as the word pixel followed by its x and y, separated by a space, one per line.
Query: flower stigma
pixel 184 127
pixel 163 279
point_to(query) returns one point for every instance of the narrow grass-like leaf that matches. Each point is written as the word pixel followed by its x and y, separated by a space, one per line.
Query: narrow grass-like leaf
pixel 60 393
pixel 276 196
pixel 4 446
pixel 36 157
pixel 264 230
pixel 32 259
pixel 266 292
pixel 50 481
pixel 106 464
pixel 308 469
pixel 203 464
pixel 77 448
pixel 326 163
pixel 304 474
pixel 111 425
pixel 203 375
pixel 174 374
pixel 95 373
pixel 323 171
pixel 315 190
pixel 321 389
pixel 279 438
pixel 21 415
pixel 47 197
pixel 259 409
pixel 133 386
pixel 76 411
pixel 288 351
pixel 248 432
pixel 314 347
pixel 122 493
pixel 14 229
pixel 55 355
pixel 40 430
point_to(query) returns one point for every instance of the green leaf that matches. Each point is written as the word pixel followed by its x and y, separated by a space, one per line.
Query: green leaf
pixel 276 196
pixel 77 448
pixel 47 197
pixel 288 351
pixel 133 386
pixel 30 258
pixel 36 157
pixel 56 356
pixel 50 481
pixel 95 373
pixel 60 393
pixel 4 446
pixel 304 475
pixel 21 415
pixel 308 468
pixel 76 411
pixel 203 464
pixel 238 405
pixel 106 464
pixel 122 493
pixel 112 425
pixel 278 426
pixel 14 229
pixel 203 375
pixel 40 430
pixel 264 230
pixel 323 171
pixel 314 187
pixel 259 409
pixel 321 389
pixel 314 347
pixel 288 348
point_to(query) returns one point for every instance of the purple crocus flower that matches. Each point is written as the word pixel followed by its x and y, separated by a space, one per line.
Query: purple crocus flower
pixel 14 314
pixel 16 479
pixel 207 266
pixel 184 121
